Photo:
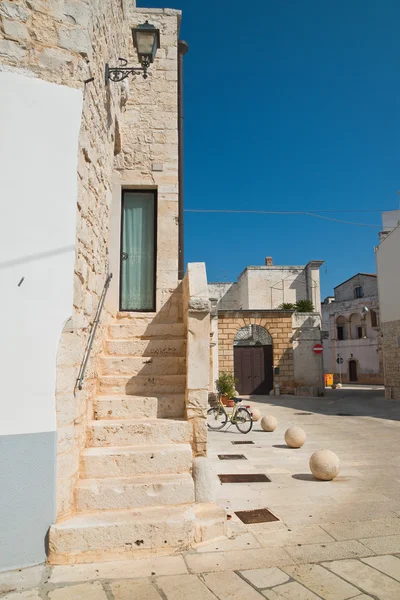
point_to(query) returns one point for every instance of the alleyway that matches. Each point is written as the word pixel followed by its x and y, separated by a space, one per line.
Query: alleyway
pixel 333 540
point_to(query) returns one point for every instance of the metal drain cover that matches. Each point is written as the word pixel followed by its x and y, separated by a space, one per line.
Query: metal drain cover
pixel 259 515
pixel 303 413
pixel 237 443
pixel 344 415
pixel 232 457
pixel 244 478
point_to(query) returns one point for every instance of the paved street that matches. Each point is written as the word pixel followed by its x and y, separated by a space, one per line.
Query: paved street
pixel 334 540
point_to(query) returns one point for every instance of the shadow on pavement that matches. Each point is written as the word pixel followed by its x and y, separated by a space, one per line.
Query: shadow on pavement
pixel 353 401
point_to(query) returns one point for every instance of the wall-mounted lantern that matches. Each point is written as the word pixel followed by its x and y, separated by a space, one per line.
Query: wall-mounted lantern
pixel 146 40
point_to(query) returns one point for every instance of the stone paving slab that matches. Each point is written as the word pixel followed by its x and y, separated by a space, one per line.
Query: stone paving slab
pixel 161 565
pixel 21 579
pixel 297 534
pixel 30 595
pixel 388 544
pixel 363 529
pixel 229 586
pixel 290 591
pixel 83 591
pixel 314 553
pixel 182 587
pixel 390 565
pixel 322 582
pixel 366 578
pixel 265 578
pixel 129 590
pixel 237 560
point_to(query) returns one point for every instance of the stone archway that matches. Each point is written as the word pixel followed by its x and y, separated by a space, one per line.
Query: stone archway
pixel 278 325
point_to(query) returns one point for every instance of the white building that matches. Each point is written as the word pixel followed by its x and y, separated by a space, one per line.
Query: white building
pixel 388 269
pixel 350 325
pixel 268 286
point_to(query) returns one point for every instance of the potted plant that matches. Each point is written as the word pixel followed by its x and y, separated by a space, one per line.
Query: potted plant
pixel 225 385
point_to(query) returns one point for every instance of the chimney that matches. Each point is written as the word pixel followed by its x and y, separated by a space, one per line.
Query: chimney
pixel 268 261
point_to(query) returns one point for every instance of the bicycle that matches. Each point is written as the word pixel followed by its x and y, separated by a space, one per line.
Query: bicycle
pixel 217 417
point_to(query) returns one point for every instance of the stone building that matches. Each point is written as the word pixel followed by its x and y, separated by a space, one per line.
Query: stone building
pixel 387 261
pixel 262 345
pixel 91 186
pixel 350 325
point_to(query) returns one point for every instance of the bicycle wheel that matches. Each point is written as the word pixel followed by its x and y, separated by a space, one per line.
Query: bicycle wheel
pixel 243 420
pixel 216 418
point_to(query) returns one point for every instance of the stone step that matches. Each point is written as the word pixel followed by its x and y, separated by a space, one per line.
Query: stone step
pixel 167 314
pixel 130 432
pixel 127 461
pixel 146 328
pixel 173 347
pixel 139 407
pixel 125 407
pixel 126 534
pixel 141 385
pixel 140 365
pixel 134 492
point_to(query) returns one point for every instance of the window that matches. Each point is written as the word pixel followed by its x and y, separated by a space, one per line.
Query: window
pixel 138 251
pixel 358 292
pixel 374 318
pixel 341 328
pixel 359 332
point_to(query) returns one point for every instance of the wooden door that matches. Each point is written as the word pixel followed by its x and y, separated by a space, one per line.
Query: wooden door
pixel 353 371
pixel 253 369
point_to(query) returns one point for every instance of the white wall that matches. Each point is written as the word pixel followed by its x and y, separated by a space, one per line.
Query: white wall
pixel 226 293
pixel 308 369
pixel 388 266
pixel 39 125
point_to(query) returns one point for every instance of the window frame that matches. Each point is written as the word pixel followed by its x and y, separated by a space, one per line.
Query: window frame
pixel 356 294
pixel 154 192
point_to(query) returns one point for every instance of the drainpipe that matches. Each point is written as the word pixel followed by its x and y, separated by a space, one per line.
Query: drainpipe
pixel 182 49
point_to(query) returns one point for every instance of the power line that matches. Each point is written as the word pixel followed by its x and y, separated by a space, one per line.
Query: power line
pixel 288 212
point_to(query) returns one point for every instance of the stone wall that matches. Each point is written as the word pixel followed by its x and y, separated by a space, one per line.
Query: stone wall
pixel 278 324
pixel 345 291
pixel 391 358
pixel 196 317
pixel 149 144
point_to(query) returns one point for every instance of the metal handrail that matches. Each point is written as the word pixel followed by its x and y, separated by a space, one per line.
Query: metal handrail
pixel 82 370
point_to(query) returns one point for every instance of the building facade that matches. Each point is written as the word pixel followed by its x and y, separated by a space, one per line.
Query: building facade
pixel 91 178
pixel 268 349
pixel 268 286
pixel 387 261
pixel 351 331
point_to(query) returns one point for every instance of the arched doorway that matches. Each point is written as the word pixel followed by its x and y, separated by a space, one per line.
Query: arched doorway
pixel 253 360
pixel 353 376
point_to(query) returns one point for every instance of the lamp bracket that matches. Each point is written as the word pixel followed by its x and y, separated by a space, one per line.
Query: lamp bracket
pixel 120 73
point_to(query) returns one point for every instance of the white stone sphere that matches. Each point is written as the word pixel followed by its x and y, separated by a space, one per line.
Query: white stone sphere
pixel 325 465
pixel 269 423
pixel 295 437
pixel 339 386
pixel 255 413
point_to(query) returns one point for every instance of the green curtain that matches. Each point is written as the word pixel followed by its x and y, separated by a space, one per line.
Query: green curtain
pixel 138 251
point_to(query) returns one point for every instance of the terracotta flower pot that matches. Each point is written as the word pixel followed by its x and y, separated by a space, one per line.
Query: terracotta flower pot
pixel 226 401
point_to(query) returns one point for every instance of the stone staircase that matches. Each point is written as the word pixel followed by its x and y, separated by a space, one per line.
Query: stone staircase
pixel 136 494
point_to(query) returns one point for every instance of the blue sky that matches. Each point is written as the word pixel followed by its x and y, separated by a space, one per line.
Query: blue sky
pixel 290 105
